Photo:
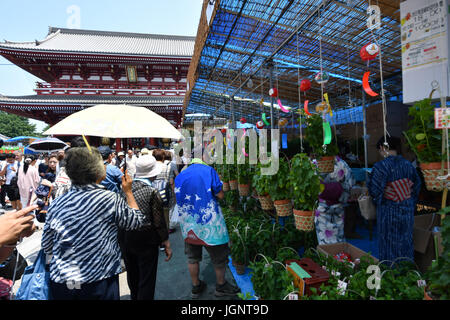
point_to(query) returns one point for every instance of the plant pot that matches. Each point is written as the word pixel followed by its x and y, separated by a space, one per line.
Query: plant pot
pixel 304 220
pixel 244 190
pixel 226 187
pixel 283 207
pixel 430 173
pixel 326 164
pixel 240 267
pixel 266 202
pixel 233 184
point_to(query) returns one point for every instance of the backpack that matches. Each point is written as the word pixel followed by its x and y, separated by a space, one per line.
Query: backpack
pixel 162 186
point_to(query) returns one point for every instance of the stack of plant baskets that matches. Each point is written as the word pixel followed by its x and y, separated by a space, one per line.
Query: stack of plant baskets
pixel 304 220
pixel 283 207
pixel 226 186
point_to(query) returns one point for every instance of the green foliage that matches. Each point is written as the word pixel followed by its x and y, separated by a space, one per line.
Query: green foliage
pixel 270 279
pixel 279 185
pixel 314 136
pixel 232 198
pixel 423 139
pixel 439 273
pixel 304 182
pixel 12 125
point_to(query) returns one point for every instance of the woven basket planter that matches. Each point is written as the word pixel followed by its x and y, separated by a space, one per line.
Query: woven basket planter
pixel 430 173
pixel 266 202
pixel 283 207
pixel 326 164
pixel 233 184
pixel 304 220
pixel 244 190
pixel 226 187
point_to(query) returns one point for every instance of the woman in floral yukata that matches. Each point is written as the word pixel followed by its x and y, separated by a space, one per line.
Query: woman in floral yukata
pixel 394 186
pixel 329 216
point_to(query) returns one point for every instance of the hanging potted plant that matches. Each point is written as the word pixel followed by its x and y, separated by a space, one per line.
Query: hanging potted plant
pixel 245 174
pixel 261 185
pixel 224 177
pixel 305 186
pixel 280 190
pixel 426 142
pixel 314 135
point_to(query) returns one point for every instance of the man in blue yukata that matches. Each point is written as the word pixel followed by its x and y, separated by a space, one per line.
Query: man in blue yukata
pixel 198 189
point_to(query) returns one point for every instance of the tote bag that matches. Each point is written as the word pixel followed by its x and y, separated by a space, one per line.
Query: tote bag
pixel 367 207
pixel 35 281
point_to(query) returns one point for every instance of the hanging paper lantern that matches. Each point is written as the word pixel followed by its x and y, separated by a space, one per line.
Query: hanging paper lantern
pixel 243 120
pixel 224 131
pixel 260 124
pixel 250 83
pixel 273 92
pixel 282 122
pixel 305 85
pixel 322 77
pixel 369 52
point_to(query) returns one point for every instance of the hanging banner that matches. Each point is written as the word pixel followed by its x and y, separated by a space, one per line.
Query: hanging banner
pixel 284 143
pixel 326 133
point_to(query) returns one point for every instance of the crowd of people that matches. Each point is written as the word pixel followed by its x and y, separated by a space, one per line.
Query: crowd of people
pixel 99 208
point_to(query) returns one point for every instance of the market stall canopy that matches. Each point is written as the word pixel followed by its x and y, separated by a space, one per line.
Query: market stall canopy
pixel 116 121
pixel 237 39
pixel 47 145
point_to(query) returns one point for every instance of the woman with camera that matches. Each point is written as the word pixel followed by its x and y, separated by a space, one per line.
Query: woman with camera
pixel 80 231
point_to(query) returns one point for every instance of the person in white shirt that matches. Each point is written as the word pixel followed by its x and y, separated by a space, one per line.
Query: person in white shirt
pixel 131 162
pixel 10 171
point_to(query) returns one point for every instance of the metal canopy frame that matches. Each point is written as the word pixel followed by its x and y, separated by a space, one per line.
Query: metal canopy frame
pixel 242 36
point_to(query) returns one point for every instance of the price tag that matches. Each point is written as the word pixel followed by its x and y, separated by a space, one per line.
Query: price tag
pixel 421 283
pixel 293 296
pixel 342 286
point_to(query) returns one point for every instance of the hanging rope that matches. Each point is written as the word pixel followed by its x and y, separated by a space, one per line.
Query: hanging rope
pixel 299 96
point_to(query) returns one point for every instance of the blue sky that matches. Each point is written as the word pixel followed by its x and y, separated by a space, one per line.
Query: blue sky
pixel 28 20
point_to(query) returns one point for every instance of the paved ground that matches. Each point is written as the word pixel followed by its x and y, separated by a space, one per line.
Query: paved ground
pixel 173 280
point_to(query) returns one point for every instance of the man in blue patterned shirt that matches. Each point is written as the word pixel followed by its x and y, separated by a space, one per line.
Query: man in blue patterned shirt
pixel 197 190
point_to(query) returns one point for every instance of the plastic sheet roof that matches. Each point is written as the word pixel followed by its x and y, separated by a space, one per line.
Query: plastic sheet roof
pixel 243 35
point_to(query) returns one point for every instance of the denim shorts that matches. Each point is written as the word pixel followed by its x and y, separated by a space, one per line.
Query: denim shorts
pixel 218 254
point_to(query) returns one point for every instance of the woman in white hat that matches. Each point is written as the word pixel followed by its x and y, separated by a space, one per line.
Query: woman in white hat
pixel 140 247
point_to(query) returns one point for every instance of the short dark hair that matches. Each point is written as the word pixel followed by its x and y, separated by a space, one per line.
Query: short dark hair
pixel 393 142
pixel 10 155
pixel 77 142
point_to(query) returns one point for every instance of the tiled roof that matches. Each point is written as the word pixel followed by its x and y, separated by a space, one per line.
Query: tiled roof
pixel 93 41
pixel 89 100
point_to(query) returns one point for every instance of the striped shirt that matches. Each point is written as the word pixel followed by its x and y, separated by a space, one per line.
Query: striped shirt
pixel 80 233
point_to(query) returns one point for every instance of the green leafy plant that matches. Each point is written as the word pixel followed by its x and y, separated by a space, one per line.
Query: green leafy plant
pixel 270 279
pixel 439 273
pixel 314 136
pixel 245 173
pixel 304 182
pixel 238 235
pixel 279 185
pixel 232 199
pixel 423 139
